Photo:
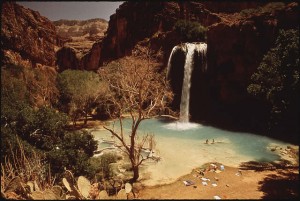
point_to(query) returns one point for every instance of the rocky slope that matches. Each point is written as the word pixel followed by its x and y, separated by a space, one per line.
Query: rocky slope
pixel 27 37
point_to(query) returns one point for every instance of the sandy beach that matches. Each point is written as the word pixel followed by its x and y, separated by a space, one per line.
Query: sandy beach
pixel 250 184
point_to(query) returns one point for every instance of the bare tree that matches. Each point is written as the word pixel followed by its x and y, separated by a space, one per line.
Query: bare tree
pixel 138 90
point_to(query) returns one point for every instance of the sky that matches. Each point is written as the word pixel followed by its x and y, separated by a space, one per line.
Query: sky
pixel 73 10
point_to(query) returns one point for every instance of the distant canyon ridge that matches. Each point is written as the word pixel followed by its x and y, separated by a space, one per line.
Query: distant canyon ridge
pixel 238 35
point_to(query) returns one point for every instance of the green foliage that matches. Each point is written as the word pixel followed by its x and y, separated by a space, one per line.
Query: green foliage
pixel 38 84
pixel 79 92
pixel 107 159
pixel 9 143
pixel 268 8
pixel 42 128
pixel 190 31
pixel 276 80
pixel 14 94
pixel 99 166
pixel 80 140
pixel 94 168
pixel 73 153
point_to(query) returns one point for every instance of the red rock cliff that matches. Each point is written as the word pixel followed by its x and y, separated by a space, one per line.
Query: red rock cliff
pixel 26 36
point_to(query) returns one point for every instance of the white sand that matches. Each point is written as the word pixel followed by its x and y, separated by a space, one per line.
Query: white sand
pixel 180 156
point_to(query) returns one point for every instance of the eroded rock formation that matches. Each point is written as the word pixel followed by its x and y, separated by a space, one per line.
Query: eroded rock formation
pixel 83 43
pixel 26 36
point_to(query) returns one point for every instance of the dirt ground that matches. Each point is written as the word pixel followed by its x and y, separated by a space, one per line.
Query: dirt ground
pixel 248 184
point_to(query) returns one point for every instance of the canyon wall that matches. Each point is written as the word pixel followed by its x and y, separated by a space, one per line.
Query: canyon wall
pixel 27 37
pixel 236 46
pixel 82 49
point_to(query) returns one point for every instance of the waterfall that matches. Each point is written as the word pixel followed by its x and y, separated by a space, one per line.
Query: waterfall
pixel 189 49
pixel 186 85
pixel 170 58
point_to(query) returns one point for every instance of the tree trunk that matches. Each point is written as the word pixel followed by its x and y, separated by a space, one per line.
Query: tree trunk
pixel 85 119
pixel 136 174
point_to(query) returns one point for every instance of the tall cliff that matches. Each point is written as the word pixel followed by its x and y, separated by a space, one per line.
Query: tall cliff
pixel 27 37
pixel 137 21
pixel 236 46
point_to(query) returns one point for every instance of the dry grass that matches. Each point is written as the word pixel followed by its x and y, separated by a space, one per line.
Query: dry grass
pixel 27 167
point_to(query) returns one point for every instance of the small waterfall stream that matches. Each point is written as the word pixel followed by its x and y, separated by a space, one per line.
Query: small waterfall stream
pixel 189 49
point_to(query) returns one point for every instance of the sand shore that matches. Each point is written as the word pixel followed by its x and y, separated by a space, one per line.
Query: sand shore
pixel 250 183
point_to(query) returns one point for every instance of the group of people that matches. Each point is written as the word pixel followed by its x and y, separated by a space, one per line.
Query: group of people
pixel 213 141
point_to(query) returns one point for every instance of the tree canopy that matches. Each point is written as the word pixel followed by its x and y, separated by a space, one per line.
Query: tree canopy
pixel 276 81
pixel 79 92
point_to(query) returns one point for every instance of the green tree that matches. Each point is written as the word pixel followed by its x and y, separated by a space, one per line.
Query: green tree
pixel 14 94
pixel 73 153
pixel 190 31
pixel 79 92
pixel 276 81
pixel 43 127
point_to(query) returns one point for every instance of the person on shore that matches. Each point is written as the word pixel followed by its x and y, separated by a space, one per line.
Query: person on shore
pixel 213 141
pixel 206 142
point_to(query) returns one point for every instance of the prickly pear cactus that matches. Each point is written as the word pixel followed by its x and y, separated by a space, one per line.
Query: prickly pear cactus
pixel 84 186
pixel 81 190
pixel 69 183
pixel 122 194
pixel 128 187
pixel 66 184
pixel 102 195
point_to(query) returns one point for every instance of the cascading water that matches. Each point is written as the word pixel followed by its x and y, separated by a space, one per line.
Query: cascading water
pixel 186 85
pixel 189 49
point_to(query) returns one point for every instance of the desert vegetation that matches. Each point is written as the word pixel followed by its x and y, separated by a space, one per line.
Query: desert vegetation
pixel 41 134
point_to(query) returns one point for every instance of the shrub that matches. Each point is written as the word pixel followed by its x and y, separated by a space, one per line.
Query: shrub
pixel 73 153
pixel 276 81
pixel 43 128
pixel 27 165
pixel 190 31
pixel 99 166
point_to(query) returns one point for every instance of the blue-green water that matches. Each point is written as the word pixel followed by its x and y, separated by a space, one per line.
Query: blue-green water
pixel 182 149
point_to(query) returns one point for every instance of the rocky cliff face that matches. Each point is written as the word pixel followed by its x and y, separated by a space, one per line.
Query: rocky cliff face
pixel 26 36
pixel 138 21
pixel 82 49
pixel 236 46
